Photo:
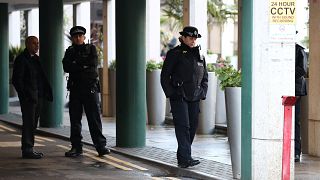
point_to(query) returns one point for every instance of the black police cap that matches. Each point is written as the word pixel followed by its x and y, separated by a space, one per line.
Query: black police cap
pixel 190 31
pixel 77 30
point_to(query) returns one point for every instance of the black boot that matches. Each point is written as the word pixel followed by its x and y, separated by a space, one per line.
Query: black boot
pixel 103 150
pixel 74 152
pixel 31 155
pixel 188 163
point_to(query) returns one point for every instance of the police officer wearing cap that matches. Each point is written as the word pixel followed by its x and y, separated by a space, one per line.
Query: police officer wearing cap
pixel 184 80
pixel 80 61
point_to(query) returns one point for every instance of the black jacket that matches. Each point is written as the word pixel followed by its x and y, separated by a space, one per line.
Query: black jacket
pixel 81 61
pixel 300 71
pixel 29 79
pixel 184 74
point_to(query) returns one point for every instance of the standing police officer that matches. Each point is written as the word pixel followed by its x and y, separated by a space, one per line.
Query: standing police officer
pixel 184 80
pixel 80 61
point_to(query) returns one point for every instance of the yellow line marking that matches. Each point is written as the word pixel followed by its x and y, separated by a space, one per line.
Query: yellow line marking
pixel 101 160
pixel 6 128
pixel 118 160
pixel 45 139
pixel 17 135
pixel 15 144
pixel 173 178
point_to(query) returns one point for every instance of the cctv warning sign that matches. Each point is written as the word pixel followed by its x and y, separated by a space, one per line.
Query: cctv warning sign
pixel 282 11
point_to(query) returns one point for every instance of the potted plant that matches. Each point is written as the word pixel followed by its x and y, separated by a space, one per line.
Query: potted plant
pixel 14 51
pixel 156 99
pixel 208 106
pixel 230 81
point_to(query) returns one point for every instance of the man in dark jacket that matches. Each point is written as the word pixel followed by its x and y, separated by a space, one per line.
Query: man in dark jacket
pixel 80 61
pixel 184 80
pixel 32 86
pixel 300 90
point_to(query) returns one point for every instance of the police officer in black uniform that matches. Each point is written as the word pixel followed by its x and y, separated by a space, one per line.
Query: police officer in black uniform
pixel 184 80
pixel 80 61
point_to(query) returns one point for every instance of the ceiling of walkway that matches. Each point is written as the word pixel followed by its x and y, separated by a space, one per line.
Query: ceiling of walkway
pixel 27 4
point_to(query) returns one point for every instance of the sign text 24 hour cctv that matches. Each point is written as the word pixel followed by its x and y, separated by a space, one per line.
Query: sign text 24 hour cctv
pixel 282 11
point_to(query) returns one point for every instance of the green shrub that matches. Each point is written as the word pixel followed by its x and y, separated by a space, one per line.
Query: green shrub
pixel 14 51
pixel 228 75
pixel 112 65
pixel 153 65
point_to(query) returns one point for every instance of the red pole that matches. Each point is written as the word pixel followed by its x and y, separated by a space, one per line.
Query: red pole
pixel 288 102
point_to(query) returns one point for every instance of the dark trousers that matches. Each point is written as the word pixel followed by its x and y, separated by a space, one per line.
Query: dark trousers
pixel 30 117
pixel 297 135
pixel 185 117
pixel 90 103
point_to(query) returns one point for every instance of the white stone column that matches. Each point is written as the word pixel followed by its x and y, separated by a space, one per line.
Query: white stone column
pixel 198 17
pixel 14 28
pixel 83 18
pixel 273 75
pixel 153 30
pixel 33 22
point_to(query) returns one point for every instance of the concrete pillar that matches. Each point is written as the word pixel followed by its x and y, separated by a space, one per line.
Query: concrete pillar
pixel 51 54
pixel 314 80
pixel 33 22
pixel 273 76
pixel 4 58
pixel 14 28
pixel 83 19
pixel 131 73
pixel 195 14
pixel 153 30
pixel 106 98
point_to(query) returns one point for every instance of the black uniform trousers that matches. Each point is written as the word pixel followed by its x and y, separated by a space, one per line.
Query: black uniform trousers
pixel 30 117
pixel 297 131
pixel 185 117
pixel 89 101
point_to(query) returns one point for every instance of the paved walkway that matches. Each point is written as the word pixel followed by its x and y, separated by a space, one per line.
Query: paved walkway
pixel 212 150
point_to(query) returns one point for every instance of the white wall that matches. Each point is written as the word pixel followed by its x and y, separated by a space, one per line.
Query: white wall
pixel 273 69
pixel 111 30
pixel 198 18
pixel 14 28
pixel 83 18
pixel 33 22
pixel 153 30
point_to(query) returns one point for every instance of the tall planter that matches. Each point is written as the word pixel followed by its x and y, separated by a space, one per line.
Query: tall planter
pixel 12 90
pixel 112 86
pixel 221 117
pixel 156 99
pixel 208 107
pixel 233 107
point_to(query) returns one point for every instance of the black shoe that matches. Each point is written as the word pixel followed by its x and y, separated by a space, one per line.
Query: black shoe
pixel 40 153
pixel 296 158
pixel 31 155
pixel 103 150
pixel 74 152
pixel 188 163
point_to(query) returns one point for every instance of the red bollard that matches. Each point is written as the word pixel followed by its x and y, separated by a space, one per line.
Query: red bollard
pixel 288 102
